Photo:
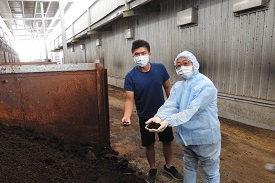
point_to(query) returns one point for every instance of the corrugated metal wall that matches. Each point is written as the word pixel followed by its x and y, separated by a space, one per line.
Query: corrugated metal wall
pixel 236 51
pixel 2 56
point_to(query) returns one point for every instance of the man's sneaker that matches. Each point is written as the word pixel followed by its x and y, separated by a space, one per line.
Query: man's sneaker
pixel 152 176
pixel 270 167
pixel 173 172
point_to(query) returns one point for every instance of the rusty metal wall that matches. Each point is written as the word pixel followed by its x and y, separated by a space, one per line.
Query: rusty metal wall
pixel 71 105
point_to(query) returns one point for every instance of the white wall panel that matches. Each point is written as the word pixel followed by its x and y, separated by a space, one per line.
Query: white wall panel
pixel 81 23
pixel 69 32
pixel 103 7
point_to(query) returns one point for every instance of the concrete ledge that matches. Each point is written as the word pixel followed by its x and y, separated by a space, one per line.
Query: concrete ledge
pixel 9 69
pixel 115 81
pixel 254 113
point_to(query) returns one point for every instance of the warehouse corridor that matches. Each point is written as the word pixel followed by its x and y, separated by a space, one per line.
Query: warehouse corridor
pixel 245 149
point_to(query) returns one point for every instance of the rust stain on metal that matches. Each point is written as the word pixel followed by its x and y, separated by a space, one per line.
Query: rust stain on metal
pixel 70 105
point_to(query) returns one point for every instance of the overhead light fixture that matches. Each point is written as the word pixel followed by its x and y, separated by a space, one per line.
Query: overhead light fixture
pixel 82 46
pixel 241 5
pixel 187 17
pixel 91 32
pixel 129 33
pixel 98 42
pixel 127 11
pixel 72 48
pixel 74 40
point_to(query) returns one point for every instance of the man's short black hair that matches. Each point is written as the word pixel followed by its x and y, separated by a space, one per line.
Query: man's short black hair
pixel 140 43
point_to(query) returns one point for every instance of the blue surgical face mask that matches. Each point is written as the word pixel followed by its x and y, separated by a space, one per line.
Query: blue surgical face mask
pixel 185 72
pixel 142 60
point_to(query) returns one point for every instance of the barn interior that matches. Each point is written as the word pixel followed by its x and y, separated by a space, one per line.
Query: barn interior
pixel 55 53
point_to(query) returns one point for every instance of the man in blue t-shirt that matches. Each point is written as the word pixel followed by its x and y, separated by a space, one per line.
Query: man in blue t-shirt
pixel 143 86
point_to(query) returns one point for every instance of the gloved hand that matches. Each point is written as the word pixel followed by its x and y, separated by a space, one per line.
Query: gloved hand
pixel 162 127
pixel 154 119
pixel 163 124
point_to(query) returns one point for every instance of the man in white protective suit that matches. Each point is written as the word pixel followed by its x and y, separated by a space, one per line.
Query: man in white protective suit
pixel 192 109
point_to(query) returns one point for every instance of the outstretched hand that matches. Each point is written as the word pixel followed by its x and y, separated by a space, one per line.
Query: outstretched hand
pixel 163 125
pixel 154 119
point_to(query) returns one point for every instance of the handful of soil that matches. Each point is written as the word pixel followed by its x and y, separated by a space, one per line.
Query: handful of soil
pixel 153 125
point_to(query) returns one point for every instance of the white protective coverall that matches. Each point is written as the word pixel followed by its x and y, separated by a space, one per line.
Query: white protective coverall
pixel 192 109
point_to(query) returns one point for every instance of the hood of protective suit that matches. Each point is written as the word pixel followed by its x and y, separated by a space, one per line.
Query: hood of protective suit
pixel 190 57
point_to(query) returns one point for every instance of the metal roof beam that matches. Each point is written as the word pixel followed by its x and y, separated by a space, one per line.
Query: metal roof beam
pixel 27 35
pixel 38 0
pixel 27 29
pixel 45 18
pixel 44 0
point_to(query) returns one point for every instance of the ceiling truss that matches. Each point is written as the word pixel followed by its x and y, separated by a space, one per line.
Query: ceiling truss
pixel 28 19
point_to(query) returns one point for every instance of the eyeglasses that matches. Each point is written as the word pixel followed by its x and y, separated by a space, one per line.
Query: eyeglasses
pixel 183 64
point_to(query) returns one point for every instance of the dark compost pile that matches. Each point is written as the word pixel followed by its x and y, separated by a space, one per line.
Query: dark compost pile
pixel 28 156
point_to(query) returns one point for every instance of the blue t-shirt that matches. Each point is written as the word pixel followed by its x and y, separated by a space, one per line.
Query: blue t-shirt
pixel 147 88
